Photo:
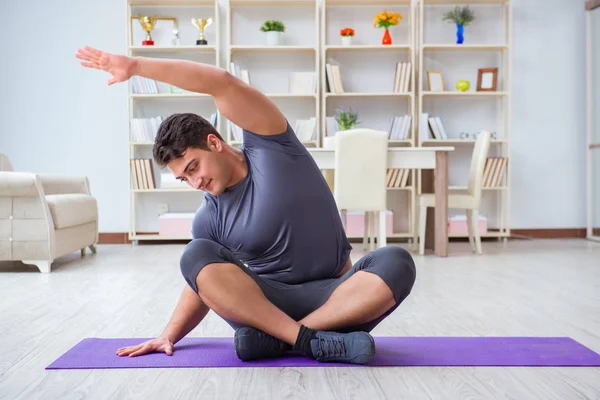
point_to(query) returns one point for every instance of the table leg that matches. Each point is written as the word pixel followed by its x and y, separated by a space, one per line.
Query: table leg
pixel 441 203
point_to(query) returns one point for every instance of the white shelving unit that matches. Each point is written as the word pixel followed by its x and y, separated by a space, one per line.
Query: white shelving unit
pixel 488 42
pixel 269 66
pixel 144 203
pixel 367 69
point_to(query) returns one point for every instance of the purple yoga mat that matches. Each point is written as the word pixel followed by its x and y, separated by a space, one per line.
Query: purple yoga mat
pixel 94 353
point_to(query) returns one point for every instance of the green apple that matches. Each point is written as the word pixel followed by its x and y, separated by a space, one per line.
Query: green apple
pixel 463 85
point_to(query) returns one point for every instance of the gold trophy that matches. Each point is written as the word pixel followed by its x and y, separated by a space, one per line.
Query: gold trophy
pixel 201 24
pixel 148 24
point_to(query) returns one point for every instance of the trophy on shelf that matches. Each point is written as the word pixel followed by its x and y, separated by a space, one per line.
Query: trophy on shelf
pixel 148 24
pixel 201 24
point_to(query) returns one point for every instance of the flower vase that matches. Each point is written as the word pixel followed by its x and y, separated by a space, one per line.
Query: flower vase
pixel 460 30
pixel 387 39
pixel 346 40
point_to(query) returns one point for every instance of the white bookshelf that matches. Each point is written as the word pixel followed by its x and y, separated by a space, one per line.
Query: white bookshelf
pixel 270 66
pixel 145 204
pixel 367 71
pixel 487 44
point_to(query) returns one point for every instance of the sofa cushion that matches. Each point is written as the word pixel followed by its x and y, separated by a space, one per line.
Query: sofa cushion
pixel 72 209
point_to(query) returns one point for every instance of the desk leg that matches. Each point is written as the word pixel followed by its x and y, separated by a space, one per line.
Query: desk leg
pixel 441 203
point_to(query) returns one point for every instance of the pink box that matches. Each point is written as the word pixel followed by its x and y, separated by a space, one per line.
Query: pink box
pixel 175 224
pixel 457 225
pixel 355 223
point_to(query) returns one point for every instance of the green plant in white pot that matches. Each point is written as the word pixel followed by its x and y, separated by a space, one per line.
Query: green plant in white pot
pixel 273 29
pixel 346 119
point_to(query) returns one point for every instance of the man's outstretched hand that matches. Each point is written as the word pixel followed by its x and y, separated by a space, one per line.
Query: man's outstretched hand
pixel 161 345
pixel 120 67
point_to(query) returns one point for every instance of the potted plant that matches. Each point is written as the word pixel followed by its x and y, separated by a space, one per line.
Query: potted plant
pixel 386 19
pixel 461 16
pixel 273 30
pixel 346 119
pixel 347 34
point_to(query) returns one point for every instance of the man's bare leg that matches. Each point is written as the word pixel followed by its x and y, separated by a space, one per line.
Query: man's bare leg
pixel 231 293
pixel 362 298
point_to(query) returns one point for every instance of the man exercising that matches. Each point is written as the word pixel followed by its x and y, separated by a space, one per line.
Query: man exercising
pixel 269 253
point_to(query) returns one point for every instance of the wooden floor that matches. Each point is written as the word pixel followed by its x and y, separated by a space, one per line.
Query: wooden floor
pixel 522 288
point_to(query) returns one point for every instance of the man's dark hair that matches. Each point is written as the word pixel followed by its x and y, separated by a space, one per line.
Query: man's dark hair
pixel 179 132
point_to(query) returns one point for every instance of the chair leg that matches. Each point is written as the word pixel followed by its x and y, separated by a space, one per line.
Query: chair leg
pixel 382 241
pixel 43 265
pixel 372 230
pixel 366 231
pixel 83 252
pixel 470 229
pixel 93 248
pixel 422 223
pixel 475 224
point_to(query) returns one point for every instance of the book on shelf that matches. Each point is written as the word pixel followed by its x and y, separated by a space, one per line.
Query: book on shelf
pixel 397 177
pixel 334 78
pixel 143 85
pixel 331 126
pixel 239 72
pixel 303 83
pixel 402 76
pixel 306 129
pixel 144 129
pixel 142 173
pixel 494 171
pixel 399 128
pixel 432 127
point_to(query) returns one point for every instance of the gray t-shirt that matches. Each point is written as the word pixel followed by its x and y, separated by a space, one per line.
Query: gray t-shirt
pixel 281 220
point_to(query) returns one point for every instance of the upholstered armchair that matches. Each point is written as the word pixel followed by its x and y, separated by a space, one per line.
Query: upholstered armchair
pixel 43 217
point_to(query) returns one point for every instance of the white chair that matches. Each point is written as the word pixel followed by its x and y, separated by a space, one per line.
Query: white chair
pixel 360 178
pixel 469 201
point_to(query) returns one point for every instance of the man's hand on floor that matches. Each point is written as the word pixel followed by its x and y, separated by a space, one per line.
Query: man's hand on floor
pixel 159 344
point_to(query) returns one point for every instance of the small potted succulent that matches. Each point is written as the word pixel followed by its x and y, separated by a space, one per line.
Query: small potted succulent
pixel 461 16
pixel 273 29
pixel 346 119
pixel 347 34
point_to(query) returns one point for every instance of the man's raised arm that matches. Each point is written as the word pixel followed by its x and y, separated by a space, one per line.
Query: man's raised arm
pixel 238 102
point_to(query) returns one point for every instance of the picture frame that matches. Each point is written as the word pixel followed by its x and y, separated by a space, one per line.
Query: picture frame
pixel 435 81
pixel 487 79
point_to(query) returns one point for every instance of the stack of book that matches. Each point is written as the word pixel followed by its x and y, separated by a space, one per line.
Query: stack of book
pixel 397 178
pixel 494 171
pixel 399 128
pixel 334 79
pixel 303 83
pixel 144 129
pixel 142 173
pixel 402 77
pixel 143 85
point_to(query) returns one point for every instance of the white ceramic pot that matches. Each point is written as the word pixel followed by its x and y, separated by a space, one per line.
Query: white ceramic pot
pixel 346 40
pixel 273 38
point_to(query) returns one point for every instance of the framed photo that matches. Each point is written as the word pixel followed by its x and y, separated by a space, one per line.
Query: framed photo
pixel 487 79
pixel 435 81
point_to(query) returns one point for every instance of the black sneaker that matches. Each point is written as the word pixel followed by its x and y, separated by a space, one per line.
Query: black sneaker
pixel 253 344
pixel 351 348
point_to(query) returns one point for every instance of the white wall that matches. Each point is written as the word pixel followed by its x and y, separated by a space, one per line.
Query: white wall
pixel 61 118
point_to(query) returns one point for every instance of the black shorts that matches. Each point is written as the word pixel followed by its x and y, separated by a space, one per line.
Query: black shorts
pixel 394 265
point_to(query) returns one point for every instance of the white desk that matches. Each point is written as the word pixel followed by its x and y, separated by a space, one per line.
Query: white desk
pixel 435 158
